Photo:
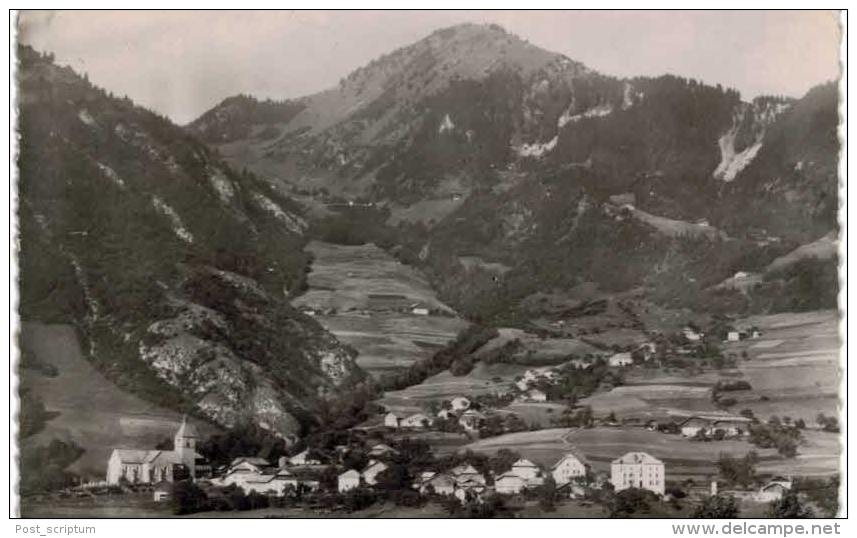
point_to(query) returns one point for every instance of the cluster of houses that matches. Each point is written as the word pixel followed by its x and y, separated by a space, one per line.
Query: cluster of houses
pixel 528 383
pixel 254 474
pixel 459 408
pixel 570 474
pixel 300 473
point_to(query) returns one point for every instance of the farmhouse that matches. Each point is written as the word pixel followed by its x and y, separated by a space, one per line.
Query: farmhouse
pixel 370 474
pixel 693 425
pixel 471 420
pixel 266 480
pixel 638 470
pixel 153 466
pixel 256 474
pixel 568 468
pixel 528 471
pixel 348 480
pixel 419 309
pixel 440 484
pixel 774 490
pixel 460 403
pixel 691 334
pixel 731 427
pixel 416 421
pixel 391 420
pixel 509 484
pixel 467 474
pixel 733 336
pixel 620 359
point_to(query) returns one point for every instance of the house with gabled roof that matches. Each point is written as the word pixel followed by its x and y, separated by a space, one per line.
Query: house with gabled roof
pixel 691 426
pixel 571 466
pixel 416 421
pixel 348 480
pixel 304 458
pixel 391 420
pixel 471 420
pixel 509 484
pixel 439 484
pixel 371 472
pixel 382 450
pixel 529 471
pixel 638 470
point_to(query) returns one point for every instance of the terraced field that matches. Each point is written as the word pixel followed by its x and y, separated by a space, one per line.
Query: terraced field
pixel 683 458
pixel 366 298
pixel 794 367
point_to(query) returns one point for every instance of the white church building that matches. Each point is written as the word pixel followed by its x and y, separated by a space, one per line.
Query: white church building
pixel 140 466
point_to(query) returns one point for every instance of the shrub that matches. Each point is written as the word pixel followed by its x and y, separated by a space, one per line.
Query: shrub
pixel 188 498
pixel 789 506
pixel 717 507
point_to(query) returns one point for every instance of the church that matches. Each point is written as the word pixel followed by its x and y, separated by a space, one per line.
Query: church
pixel 152 466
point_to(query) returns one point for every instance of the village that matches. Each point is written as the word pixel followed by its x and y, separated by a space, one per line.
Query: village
pixel 389 459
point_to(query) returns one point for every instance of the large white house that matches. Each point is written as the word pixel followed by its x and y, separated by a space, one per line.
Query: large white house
pixel 348 480
pixel 153 466
pixel 568 468
pixel 638 470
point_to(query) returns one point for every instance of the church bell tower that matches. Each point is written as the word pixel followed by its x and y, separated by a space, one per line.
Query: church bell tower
pixel 185 445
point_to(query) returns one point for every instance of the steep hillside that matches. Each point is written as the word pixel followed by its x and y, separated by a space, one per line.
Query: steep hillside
pixel 176 270
pixel 475 145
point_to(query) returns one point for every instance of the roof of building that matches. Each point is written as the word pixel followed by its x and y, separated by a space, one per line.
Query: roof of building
pixel 187 429
pixel 440 479
pixel 509 476
pixel 695 421
pixel 130 455
pixel 350 473
pixel 570 454
pixel 524 463
pixel 382 448
pixel 637 457
pixel 623 356
pixel 464 468
pixel 252 460
pixel 376 466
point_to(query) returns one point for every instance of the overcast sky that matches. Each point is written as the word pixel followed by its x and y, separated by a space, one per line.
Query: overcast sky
pixel 183 63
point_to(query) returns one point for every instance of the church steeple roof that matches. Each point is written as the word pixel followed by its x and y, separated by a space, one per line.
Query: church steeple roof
pixel 186 429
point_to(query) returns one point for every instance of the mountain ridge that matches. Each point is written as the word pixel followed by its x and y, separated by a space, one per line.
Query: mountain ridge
pixel 506 163
pixel 176 270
